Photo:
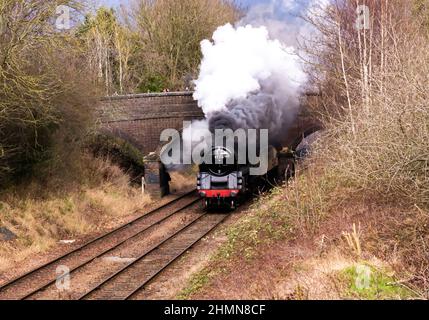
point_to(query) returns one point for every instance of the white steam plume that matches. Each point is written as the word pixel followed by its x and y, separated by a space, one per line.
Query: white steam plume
pixel 249 77
pixel 239 62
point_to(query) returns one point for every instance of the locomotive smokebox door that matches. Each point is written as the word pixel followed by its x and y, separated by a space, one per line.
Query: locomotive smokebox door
pixel 156 178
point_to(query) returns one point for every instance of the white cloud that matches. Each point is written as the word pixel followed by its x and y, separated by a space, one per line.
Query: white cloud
pixel 289 4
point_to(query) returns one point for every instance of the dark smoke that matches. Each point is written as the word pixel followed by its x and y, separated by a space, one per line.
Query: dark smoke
pixel 262 110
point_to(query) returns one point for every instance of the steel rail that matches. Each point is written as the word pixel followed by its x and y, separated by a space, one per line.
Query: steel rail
pixel 53 261
pixel 165 266
pixel 89 260
pixel 139 258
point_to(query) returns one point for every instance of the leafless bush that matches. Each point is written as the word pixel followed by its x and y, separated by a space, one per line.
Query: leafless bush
pixel 42 94
pixel 374 106
pixel 373 83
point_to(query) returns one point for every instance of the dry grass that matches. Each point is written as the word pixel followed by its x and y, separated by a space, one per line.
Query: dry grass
pixel 377 127
pixel 297 243
pixel 40 222
pixel 378 121
pixel 183 180
pixel 365 189
pixel 353 240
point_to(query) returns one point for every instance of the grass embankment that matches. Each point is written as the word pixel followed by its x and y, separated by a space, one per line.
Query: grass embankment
pixel 364 198
pixel 41 215
pixel 316 239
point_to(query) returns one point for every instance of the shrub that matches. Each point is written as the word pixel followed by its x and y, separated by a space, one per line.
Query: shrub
pixel 42 95
pixel 374 108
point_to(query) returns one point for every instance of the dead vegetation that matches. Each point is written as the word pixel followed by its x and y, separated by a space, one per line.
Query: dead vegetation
pixel 41 218
pixel 377 125
pixel 50 187
pixel 44 102
pixel 183 180
pixel 364 192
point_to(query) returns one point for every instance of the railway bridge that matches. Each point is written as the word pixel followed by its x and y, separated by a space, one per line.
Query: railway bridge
pixel 139 119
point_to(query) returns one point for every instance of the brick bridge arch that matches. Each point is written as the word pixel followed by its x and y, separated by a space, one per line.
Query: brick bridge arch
pixel 140 118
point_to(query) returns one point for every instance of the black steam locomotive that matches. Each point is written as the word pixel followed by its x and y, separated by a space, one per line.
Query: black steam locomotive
pixel 223 183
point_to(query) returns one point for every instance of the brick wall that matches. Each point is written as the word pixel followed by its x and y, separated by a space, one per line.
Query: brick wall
pixel 141 118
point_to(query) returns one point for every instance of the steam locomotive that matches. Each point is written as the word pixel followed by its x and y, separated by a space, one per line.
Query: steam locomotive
pixel 223 183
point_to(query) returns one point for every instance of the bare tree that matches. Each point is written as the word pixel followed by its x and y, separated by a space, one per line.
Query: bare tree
pixel 39 76
pixel 170 33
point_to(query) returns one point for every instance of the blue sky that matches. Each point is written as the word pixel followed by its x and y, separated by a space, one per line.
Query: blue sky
pixel 281 6
pixel 281 17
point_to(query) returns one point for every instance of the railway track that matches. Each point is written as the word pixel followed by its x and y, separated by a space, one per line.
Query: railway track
pixel 36 280
pixel 131 279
